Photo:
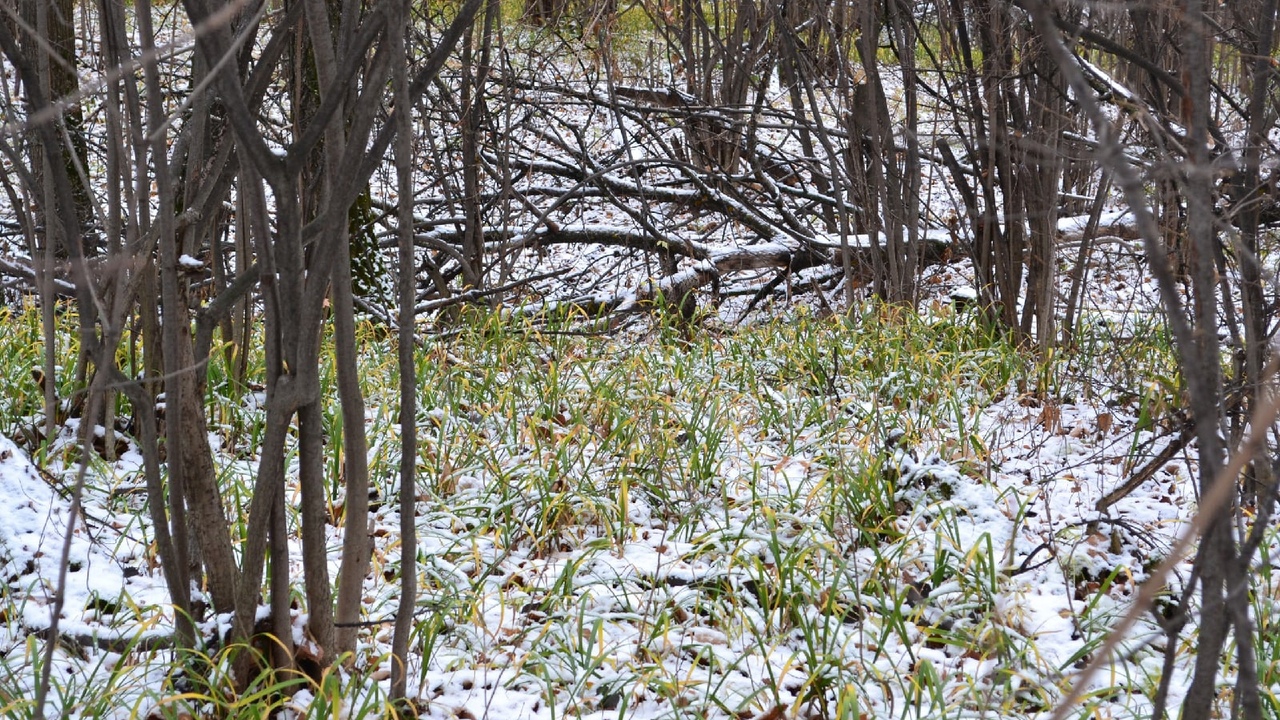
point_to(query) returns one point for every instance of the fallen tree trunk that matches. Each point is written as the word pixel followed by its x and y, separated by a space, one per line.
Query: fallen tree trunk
pixel 710 268
pixel 711 265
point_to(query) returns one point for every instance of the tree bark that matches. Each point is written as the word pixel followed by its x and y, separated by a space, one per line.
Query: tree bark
pixel 407 285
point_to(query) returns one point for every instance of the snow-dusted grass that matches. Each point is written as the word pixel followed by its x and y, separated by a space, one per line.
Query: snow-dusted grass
pixel 878 516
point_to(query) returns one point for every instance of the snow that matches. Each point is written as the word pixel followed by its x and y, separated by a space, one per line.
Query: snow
pixel 112 597
pixel 1076 225
pixel 1115 86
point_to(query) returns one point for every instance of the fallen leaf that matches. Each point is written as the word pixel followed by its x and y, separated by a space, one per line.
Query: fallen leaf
pixel 1051 417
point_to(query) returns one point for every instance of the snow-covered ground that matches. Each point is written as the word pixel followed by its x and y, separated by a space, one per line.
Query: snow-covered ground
pixel 741 580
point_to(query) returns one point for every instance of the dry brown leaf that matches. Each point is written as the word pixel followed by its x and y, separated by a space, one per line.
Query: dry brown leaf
pixel 1051 417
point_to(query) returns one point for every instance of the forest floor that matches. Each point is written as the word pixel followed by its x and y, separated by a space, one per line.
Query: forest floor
pixel 882 515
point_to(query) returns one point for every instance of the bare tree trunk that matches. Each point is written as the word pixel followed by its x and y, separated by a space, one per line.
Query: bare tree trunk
pixel 871 129
pixel 1249 188
pixel 1217 546
pixel 472 99
pixel 356 540
pixel 175 309
pixel 1039 171
pixel 281 644
pixel 44 250
pixel 64 82
pixel 903 26
pixel 408 377
pixel 325 52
